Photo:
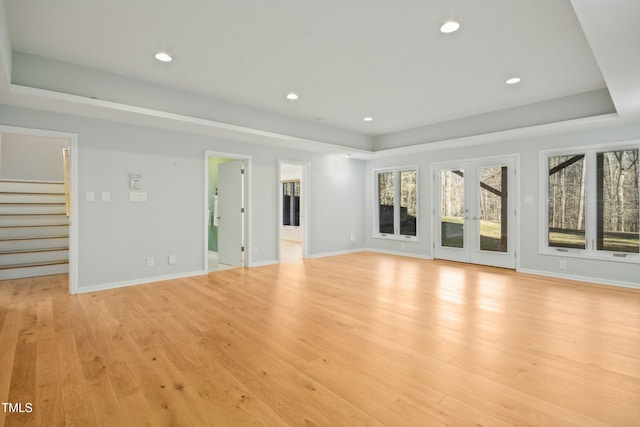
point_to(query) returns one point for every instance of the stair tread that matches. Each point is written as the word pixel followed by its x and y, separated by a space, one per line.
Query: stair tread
pixel 28 214
pixel 29 193
pixel 27 181
pixel 60 224
pixel 16 239
pixel 28 251
pixel 18 204
pixel 32 264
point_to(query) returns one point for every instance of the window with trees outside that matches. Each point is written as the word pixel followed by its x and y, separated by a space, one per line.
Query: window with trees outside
pixel 593 202
pixel 396 205
pixel 291 203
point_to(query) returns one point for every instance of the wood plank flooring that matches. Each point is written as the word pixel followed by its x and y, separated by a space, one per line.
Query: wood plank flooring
pixel 358 339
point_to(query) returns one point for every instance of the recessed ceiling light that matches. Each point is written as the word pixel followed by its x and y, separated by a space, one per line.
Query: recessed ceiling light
pixel 368 119
pixel 292 96
pixel 513 81
pixel 450 27
pixel 163 57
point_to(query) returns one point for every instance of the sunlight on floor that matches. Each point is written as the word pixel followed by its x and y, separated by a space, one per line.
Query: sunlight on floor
pixel 290 251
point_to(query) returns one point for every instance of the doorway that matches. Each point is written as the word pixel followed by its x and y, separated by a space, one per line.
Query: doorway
pixel 475 219
pixel 293 203
pixel 41 236
pixel 226 211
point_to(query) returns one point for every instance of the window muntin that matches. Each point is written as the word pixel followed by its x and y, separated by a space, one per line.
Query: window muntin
pixel 396 203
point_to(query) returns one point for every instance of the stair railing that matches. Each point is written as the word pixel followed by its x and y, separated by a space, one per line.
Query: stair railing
pixel 67 179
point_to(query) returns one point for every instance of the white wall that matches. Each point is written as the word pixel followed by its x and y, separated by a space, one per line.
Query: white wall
pixel 31 158
pixel 529 258
pixel 115 237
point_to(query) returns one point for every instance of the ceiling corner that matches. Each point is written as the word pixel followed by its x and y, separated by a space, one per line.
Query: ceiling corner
pixel 612 32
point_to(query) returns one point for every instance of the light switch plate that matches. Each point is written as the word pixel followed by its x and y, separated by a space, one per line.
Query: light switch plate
pixel 135 196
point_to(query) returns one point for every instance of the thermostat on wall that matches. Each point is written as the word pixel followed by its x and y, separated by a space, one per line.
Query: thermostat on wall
pixel 135 181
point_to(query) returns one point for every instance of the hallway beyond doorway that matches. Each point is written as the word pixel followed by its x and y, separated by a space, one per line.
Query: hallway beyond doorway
pixel 290 251
pixel 215 265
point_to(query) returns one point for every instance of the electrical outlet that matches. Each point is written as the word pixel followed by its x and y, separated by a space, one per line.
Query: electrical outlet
pixel 563 265
pixel 172 259
pixel 150 261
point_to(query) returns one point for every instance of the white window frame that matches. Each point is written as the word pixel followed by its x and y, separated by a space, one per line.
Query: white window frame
pixel 590 252
pixel 396 204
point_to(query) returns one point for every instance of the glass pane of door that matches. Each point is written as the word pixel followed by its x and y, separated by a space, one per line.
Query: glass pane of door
pixel 493 217
pixel 452 208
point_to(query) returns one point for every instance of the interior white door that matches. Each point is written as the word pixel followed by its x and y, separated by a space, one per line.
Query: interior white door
pixel 475 212
pixel 230 213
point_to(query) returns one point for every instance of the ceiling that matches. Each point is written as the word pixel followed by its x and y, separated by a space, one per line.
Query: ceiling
pixel 347 59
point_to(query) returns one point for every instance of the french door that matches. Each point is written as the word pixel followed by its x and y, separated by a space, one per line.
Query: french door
pixel 475 211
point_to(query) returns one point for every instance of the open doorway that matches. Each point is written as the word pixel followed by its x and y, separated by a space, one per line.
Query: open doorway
pixel 38 231
pixel 293 229
pixel 226 211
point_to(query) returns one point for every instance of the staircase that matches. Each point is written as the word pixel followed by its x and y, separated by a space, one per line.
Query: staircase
pixel 34 229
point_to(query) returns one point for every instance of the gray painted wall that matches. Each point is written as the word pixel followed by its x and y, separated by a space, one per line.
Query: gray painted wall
pixel 115 237
pixel 31 158
pixel 528 149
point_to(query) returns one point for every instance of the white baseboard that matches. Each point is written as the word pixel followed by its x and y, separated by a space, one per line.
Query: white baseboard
pixel 326 254
pixel 263 263
pixel 409 255
pixel 123 284
pixel 596 281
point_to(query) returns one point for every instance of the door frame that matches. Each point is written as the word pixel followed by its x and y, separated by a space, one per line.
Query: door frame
pixel 248 262
pixel 304 204
pixel 74 216
pixel 514 158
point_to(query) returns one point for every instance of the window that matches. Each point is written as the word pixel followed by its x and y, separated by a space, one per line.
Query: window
pixel 566 201
pixel 617 201
pixel 593 202
pixel 291 203
pixel 396 204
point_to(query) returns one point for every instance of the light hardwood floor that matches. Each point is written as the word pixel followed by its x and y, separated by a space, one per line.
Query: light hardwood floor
pixel 359 339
